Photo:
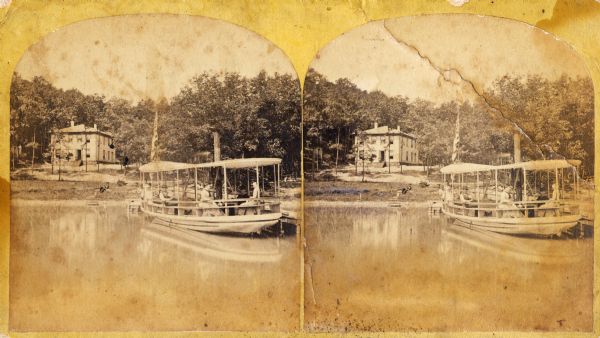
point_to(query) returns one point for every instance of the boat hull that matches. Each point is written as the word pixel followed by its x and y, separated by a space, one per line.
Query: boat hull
pixel 223 224
pixel 545 226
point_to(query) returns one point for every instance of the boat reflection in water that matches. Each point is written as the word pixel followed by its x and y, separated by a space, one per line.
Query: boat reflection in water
pixel 228 248
pixel 87 268
pixel 391 269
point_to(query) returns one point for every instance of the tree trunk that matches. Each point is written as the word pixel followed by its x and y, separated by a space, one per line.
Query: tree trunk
pixel 337 150
pixel 33 152
pixel 363 170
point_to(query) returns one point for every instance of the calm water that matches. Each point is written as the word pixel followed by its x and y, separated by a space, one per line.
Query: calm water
pixel 392 269
pixel 96 268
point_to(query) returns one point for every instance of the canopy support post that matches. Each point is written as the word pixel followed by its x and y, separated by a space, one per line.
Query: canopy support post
pixel 477 192
pixel 576 181
pixel 257 180
pixel 177 184
pixel 496 190
pixel 196 184
pixel 524 185
pixel 262 173
pixel 556 182
pixel 548 183
pixel 225 183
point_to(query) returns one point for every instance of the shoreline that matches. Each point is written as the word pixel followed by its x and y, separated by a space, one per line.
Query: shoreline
pixel 367 204
pixel 289 205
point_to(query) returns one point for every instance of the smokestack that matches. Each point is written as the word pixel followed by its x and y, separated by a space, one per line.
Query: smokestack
pixel 72 123
pixel 375 125
pixel 517 147
pixel 217 146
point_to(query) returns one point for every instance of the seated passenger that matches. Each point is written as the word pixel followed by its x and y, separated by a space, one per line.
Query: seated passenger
pixel 207 201
pixel 506 203
pixel 168 201
pixel 251 202
pixel 550 208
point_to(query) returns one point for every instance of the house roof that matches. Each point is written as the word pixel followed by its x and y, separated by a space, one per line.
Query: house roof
pixel 385 130
pixel 81 128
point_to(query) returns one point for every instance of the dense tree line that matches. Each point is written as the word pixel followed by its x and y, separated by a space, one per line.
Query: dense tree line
pixel 256 117
pixel 555 116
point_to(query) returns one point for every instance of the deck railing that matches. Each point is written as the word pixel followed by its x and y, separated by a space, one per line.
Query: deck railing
pixel 221 207
pixel 525 209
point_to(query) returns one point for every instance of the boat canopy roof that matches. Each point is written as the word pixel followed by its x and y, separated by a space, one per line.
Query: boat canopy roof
pixel 459 168
pixel 541 165
pixel 157 166
pixel 228 164
pixel 242 163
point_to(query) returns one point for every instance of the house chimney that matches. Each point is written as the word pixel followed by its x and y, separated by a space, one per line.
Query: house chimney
pixel 95 126
pixel 375 125
pixel 72 123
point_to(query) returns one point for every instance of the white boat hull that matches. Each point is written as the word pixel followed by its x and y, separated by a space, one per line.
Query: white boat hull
pixel 226 224
pixel 552 225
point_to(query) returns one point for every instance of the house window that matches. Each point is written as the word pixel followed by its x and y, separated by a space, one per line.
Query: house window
pixel 87 155
pixel 104 154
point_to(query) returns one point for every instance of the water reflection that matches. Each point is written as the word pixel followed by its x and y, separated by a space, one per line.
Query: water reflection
pixel 220 247
pixel 399 269
pixel 77 267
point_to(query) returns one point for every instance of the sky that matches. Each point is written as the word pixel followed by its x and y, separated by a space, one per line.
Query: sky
pixel 481 49
pixel 147 56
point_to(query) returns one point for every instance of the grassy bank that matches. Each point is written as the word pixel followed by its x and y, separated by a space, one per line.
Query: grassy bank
pixel 90 190
pixel 70 190
pixel 366 191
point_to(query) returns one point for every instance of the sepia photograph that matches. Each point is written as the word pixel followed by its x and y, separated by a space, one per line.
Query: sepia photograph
pixel 448 167
pixel 155 166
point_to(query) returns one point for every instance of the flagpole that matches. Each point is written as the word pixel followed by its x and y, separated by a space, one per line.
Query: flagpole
pixel 153 150
pixel 455 154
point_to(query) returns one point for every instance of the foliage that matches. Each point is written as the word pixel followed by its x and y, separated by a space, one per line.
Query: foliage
pixel 557 116
pixel 256 117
